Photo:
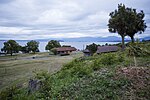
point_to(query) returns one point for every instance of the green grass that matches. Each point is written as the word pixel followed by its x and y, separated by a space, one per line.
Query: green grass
pixel 110 76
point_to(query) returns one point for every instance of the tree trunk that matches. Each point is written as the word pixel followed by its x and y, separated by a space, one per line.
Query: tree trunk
pixel 11 53
pixel 123 46
pixel 132 38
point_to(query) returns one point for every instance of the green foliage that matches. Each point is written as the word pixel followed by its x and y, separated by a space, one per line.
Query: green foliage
pixel 15 93
pixel 24 49
pixel 79 68
pixel 52 44
pixel 138 49
pixel 46 85
pixel 54 51
pixel 11 46
pixel 101 85
pixel 137 23
pixel 9 93
pixel 108 59
pixel 93 77
pixel 126 21
pixel 92 48
pixel 33 46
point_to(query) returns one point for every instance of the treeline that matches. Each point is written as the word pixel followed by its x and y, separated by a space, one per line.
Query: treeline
pixel 11 46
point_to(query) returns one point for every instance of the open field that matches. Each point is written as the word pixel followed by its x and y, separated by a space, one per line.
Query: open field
pixel 19 68
pixel 122 75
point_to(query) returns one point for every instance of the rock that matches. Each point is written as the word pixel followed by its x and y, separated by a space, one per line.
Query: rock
pixel 34 85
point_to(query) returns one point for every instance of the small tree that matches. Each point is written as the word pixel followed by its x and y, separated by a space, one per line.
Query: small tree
pixel 52 44
pixel 33 46
pixel 92 48
pixel 11 46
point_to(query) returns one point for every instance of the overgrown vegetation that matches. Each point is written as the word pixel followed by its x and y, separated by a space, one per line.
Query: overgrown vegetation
pixel 106 76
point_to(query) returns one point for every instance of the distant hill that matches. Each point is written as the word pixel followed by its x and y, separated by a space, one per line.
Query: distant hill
pixel 99 39
pixel 145 38
pixel 93 39
pixel 88 39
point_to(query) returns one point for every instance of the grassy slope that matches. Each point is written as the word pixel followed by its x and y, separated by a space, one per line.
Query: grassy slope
pixel 111 76
pixel 15 71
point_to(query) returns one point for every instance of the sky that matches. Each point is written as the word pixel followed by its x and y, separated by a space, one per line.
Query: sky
pixel 44 19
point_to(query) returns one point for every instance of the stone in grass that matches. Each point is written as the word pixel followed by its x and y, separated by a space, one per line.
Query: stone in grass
pixel 34 85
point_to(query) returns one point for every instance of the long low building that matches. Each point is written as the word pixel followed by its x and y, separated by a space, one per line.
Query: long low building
pixel 65 50
pixel 105 49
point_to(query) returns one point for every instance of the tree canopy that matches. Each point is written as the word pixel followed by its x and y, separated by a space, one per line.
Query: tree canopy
pixel 137 24
pixel 11 46
pixel 126 21
pixel 52 44
pixel 24 49
pixel 92 47
pixel 33 46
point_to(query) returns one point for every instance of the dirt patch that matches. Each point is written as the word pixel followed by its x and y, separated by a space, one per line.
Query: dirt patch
pixel 140 76
pixel 139 79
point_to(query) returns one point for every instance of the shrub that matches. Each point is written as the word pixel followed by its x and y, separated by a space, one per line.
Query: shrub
pixel 97 64
pixel 9 93
pixel 81 70
pixel 46 85
pixel 138 49
pixel 54 51
pixel 78 67
pixel 69 65
pixel 108 59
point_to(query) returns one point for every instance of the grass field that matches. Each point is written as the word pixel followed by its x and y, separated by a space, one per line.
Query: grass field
pixel 19 68
pixel 122 75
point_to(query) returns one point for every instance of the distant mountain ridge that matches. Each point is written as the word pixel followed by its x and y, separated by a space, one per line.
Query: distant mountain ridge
pixel 93 39
pixel 88 39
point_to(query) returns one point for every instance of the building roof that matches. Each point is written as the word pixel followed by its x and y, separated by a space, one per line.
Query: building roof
pixel 66 49
pixel 103 49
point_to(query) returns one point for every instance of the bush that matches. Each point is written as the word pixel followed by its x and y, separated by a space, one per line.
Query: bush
pixel 101 86
pixel 54 51
pixel 81 70
pixel 10 93
pixel 46 85
pixel 138 49
pixel 69 65
pixel 108 59
pixel 78 67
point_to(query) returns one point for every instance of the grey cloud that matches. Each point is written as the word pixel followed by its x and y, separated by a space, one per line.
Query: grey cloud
pixel 5 1
pixel 86 17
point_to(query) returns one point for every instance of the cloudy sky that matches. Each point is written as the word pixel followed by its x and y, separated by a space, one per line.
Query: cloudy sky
pixel 43 19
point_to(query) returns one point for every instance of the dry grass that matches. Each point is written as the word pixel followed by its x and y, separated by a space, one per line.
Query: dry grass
pixel 19 71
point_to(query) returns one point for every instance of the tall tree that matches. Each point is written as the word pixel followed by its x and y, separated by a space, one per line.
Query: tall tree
pixel 117 22
pixel 52 44
pixel 33 46
pixel 135 22
pixel 11 46
pixel 126 21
